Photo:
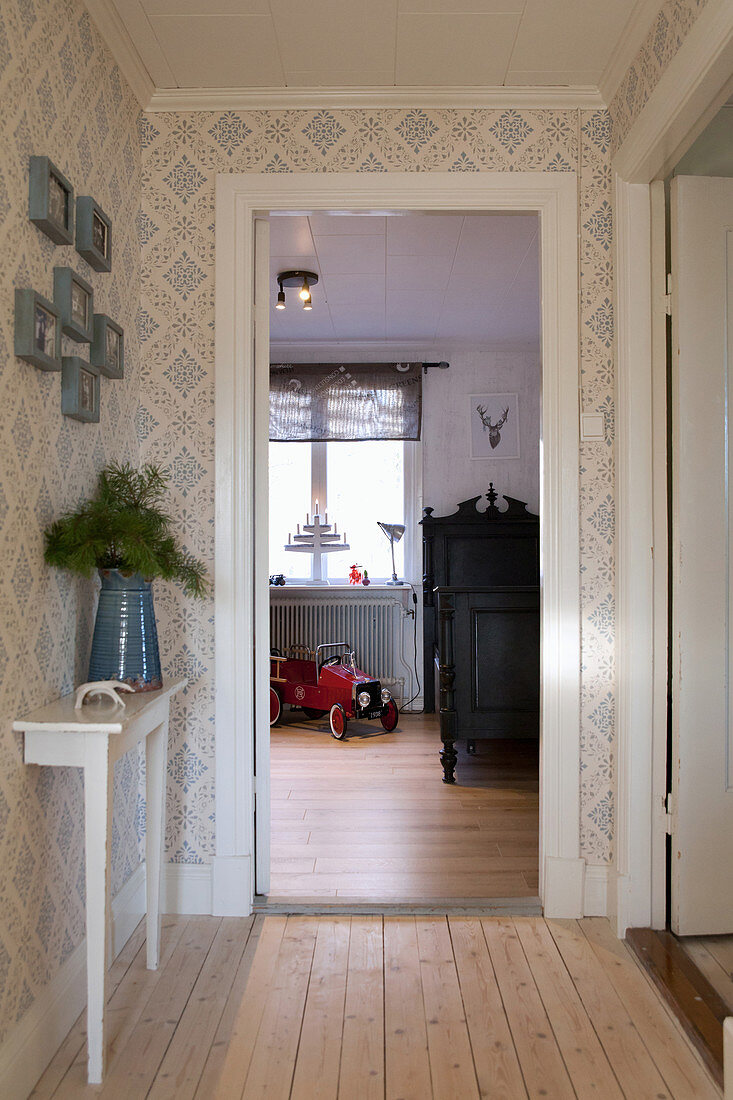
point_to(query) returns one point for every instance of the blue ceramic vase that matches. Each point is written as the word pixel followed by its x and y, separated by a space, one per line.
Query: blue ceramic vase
pixel 125 643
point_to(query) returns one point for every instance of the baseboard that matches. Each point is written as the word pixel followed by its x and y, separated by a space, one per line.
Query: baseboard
pixel 596 891
pixel 34 1040
pixel 187 889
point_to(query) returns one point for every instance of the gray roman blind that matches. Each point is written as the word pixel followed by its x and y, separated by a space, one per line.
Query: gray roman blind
pixel 323 402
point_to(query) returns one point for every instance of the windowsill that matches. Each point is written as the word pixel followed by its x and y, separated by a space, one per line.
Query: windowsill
pixel 334 586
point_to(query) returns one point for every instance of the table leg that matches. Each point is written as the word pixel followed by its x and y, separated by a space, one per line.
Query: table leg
pixel 156 752
pixel 98 784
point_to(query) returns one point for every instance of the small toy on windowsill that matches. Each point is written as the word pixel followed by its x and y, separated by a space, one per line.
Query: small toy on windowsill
pixel 355 575
pixel 277 578
pixel 365 579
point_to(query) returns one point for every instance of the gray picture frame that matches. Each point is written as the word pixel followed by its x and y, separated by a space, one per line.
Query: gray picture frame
pixel 50 200
pixel 80 389
pixel 35 335
pixel 68 287
pixel 107 335
pixel 93 234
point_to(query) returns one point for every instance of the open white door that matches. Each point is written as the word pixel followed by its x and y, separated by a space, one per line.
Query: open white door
pixel 702 740
pixel 261 593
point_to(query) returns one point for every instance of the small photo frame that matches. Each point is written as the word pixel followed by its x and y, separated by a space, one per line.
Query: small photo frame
pixel 51 201
pixel 80 386
pixel 37 330
pixel 75 299
pixel 108 347
pixel 93 234
pixel 494 422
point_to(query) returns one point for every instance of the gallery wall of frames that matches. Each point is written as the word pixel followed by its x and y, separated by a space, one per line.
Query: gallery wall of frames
pixel 40 323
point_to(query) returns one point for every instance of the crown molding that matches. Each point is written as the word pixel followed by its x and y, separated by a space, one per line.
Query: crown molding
pixel 123 49
pixel 627 47
pixel 283 99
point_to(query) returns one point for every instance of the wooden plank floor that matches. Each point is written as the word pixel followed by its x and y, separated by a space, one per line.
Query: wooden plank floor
pixel 384 1008
pixel 370 817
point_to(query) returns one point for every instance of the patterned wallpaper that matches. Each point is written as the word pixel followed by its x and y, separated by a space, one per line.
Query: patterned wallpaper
pixel 182 153
pixel 666 34
pixel 62 97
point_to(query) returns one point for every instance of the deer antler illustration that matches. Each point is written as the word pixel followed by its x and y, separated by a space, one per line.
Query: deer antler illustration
pixel 494 430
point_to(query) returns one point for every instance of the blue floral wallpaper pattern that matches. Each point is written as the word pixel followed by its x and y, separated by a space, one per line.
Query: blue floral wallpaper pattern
pixel 61 97
pixel 182 154
pixel 671 26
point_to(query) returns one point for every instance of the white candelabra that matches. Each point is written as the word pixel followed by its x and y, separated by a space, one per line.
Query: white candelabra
pixel 317 539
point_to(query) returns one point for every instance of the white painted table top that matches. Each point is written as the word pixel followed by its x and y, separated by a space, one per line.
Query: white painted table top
pixel 94 717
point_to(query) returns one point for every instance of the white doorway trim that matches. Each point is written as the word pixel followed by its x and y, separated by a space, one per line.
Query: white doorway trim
pixel 241 610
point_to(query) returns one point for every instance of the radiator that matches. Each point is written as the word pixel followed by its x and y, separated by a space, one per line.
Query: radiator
pixel 371 625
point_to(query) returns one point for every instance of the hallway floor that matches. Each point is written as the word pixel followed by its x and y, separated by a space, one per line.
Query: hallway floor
pixel 370 818
pixel 394 1008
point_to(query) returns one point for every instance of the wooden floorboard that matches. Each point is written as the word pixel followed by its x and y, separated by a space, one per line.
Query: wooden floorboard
pixel 371 818
pixel 386 1008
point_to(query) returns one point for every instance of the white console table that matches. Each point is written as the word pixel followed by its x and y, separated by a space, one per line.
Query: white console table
pixel 92 738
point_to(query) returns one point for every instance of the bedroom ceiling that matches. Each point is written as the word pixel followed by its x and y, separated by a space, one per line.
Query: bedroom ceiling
pixel 217 44
pixel 425 279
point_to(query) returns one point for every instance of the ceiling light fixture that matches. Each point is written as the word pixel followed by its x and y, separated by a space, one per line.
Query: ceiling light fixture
pixel 302 279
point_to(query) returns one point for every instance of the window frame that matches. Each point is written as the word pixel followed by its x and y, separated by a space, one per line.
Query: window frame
pixel 412 511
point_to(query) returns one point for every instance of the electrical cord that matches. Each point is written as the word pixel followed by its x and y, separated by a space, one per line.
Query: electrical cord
pixel 414 624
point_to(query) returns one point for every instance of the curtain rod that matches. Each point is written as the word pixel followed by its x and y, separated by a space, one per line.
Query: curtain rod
pixel 442 365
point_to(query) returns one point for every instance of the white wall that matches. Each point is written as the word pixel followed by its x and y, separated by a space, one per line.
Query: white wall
pixel 450 475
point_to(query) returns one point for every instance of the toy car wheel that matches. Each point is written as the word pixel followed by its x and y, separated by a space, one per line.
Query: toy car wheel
pixel 337 721
pixel 311 712
pixel 275 707
pixel 389 716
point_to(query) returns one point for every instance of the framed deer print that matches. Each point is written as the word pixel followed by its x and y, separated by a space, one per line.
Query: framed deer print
pixel 494 419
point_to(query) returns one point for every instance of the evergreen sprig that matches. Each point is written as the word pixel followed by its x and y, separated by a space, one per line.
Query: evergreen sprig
pixel 124 526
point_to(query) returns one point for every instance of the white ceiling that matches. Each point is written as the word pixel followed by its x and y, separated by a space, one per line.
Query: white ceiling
pixel 216 44
pixel 425 279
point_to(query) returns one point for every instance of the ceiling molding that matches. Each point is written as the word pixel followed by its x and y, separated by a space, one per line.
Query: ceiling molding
pixel 693 87
pixel 419 349
pixel 283 99
pixel 120 44
pixel 627 47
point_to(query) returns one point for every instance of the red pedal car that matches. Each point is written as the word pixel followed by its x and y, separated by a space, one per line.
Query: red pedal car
pixel 331 685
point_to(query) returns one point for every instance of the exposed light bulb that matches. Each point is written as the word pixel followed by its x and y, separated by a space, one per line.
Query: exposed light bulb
pixel 280 304
pixel 305 291
pixel 308 304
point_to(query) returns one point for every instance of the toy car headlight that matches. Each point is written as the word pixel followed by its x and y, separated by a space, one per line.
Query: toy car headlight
pixel 363 698
pixel 386 695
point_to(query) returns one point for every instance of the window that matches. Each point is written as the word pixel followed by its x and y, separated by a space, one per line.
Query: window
pixel 356 483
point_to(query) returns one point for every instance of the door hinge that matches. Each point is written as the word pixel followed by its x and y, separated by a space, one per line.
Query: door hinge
pixel 668 296
pixel 669 813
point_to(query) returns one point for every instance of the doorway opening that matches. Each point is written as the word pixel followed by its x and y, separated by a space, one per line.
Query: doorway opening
pixel 359 810
pixel 243 302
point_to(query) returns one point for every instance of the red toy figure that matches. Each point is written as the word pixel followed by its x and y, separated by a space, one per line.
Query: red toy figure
pixel 355 575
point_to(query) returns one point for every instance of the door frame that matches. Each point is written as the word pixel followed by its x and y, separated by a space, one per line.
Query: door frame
pixel 241 447
pixel 690 91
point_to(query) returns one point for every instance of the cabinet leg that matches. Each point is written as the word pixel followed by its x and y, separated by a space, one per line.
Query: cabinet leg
pixel 449 758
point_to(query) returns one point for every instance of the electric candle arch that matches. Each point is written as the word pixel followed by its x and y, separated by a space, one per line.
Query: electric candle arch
pixel 317 539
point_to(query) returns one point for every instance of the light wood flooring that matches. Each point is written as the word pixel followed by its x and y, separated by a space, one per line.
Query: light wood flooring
pixel 370 817
pixel 393 1008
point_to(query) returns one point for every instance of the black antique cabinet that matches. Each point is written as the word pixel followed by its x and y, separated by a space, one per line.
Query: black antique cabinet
pixel 482 622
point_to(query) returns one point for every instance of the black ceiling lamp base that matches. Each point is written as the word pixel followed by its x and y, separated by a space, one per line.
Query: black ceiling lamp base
pixel 303 279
